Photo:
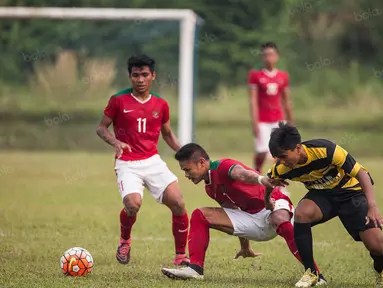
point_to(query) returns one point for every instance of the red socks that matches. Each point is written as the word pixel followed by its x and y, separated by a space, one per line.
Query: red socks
pixel 198 238
pixel 126 224
pixel 180 232
pixel 180 229
pixel 286 230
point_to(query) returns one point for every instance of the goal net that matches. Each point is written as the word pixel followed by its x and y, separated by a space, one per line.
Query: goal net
pixel 69 60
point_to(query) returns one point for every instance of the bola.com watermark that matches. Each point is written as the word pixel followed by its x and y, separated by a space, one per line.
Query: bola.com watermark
pixel 324 63
pixel 35 55
pixel 302 6
pixel 58 119
pixel 97 76
pixel 367 14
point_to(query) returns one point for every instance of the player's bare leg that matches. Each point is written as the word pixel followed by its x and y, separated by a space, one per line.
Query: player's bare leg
pixel 172 198
pixel 373 240
pixel 132 204
pixel 259 161
pixel 281 222
pixel 306 213
pixel 201 220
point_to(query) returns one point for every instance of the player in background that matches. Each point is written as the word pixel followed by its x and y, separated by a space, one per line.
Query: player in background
pixel 338 187
pixel 138 117
pixel 269 101
pixel 240 191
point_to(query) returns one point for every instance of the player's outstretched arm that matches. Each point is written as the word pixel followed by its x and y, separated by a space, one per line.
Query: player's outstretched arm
pixel 246 250
pixel 104 133
pixel 268 202
pixel 169 137
pixel 239 173
pixel 342 159
pixel 373 213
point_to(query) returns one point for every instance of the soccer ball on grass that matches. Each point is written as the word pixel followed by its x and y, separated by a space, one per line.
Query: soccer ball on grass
pixel 76 261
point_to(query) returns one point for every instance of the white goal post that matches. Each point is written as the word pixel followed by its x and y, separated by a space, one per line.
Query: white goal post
pixel 188 20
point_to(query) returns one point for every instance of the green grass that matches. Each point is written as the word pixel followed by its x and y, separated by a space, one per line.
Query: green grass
pixel 222 122
pixel 53 201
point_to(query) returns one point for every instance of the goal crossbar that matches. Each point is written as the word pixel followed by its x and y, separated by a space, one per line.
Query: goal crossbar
pixel 188 20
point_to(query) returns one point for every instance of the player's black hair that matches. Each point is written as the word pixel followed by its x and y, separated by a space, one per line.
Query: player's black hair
pixel 266 45
pixel 285 137
pixel 191 151
pixel 141 61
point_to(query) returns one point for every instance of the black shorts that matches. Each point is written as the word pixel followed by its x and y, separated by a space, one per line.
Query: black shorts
pixel 350 206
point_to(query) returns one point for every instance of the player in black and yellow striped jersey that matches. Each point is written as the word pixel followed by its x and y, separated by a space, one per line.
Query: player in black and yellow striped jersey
pixel 338 186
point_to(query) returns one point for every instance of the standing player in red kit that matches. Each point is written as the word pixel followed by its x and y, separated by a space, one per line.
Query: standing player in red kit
pixel 269 101
pixel 138 118
pixel 240 191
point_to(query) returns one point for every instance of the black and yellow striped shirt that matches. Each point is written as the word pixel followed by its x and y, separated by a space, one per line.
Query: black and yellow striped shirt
pixel 328 166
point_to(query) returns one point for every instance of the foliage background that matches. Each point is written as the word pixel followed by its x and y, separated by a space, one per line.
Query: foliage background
pixel 56 76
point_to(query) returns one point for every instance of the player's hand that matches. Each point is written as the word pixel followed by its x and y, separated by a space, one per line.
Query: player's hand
pixel 120 147
pixel 271 183
pixel 270 203
pixel 247 253
pixel 373 215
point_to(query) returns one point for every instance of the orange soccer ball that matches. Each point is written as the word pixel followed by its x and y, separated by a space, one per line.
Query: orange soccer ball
pixel 76 261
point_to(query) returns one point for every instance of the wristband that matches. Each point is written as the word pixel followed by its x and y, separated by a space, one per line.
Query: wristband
pixel 260 177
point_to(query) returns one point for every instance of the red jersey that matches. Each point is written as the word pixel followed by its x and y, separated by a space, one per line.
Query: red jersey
pixel 137 123
pixel 248 197
pixel 270 86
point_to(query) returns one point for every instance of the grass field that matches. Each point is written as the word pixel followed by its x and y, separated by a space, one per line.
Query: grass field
pixel 53 201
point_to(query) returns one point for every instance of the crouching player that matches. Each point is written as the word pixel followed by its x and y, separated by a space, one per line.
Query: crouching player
pixel 240 191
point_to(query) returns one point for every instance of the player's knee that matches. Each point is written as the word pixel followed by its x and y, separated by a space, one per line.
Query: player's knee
pixel 177 207
pixel 132 206
pixel 375 246
pixel 376 249
pixel 278 217
pixel 304 216
pixel 199 214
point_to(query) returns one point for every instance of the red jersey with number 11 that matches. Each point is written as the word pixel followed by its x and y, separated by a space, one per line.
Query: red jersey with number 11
pixel 247 197
pixel 137 123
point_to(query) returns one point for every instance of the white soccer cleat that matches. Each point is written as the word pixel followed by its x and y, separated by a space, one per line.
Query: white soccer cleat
pixel 182 273
pixel 321 282
pixel 308 279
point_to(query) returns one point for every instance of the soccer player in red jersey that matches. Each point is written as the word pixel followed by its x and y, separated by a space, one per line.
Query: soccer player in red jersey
pixel 138 117
pixel 240 191
pixel 269 101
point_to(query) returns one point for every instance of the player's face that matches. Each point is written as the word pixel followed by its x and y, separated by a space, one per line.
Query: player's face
pixel 141 78
pixel 290 158
pixel 270 57
pixel 194 171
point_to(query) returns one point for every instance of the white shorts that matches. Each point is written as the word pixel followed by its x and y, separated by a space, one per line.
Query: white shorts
pixel 256 227
pixel 261 143
pixel 152 173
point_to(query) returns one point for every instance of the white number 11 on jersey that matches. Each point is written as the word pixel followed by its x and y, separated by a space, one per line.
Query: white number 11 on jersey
pixel 141 125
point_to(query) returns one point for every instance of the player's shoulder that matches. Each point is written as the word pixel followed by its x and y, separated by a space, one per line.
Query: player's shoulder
pixel 123 92
pixel 223 164
pixel 230 161
pixel 283 73
pixel 319 143
pixel 255 72
pixel 320 148
pixel 158 98
pixel 228 164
